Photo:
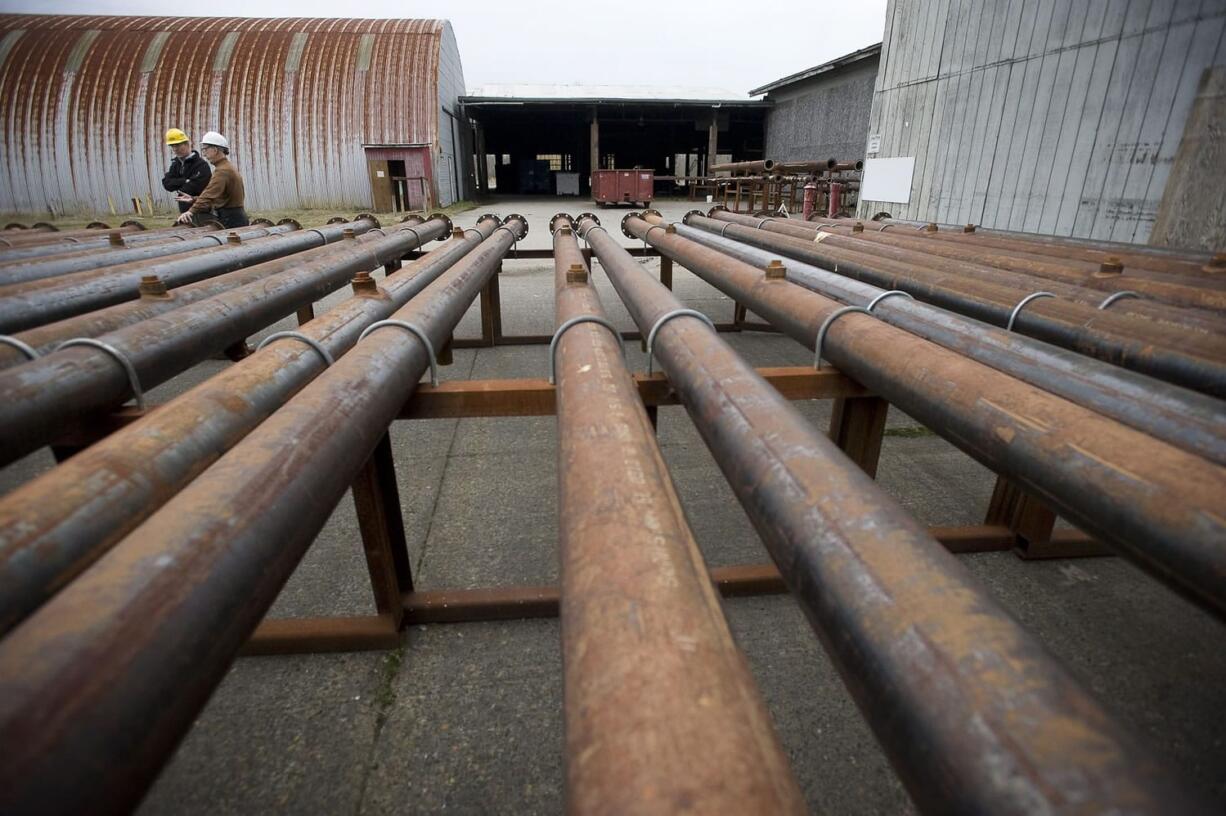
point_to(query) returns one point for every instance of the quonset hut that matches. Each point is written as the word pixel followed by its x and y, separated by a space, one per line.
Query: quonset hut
pixel 319 112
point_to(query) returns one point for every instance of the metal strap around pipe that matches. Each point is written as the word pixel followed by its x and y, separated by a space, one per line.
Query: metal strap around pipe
pixel 873 303
pixel 575 321
pixel 514 239
pixel 416 332
pixel 310 341
pixel 825 327
pixel 474 229
pixel 415 235
pixel 118 356
pixel 318 232
pixel 724 228
pixel 664 318
pixel 1021 304
pixel 760 223
pixel 1127 293
pixel 22 346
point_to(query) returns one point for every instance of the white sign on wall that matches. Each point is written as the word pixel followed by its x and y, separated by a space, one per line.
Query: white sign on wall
pixel 874 143
pixel 887 180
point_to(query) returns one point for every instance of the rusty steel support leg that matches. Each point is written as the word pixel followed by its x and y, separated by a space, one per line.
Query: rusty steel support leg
pixel 377 501
pixel 306 314
pixel 857 426
pixel 1033 522
pixel 496 304
pixel 666 271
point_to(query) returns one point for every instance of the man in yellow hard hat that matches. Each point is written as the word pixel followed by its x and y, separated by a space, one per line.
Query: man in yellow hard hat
pixel 188 173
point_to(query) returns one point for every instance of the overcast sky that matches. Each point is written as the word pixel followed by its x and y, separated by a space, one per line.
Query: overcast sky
pixel 732 45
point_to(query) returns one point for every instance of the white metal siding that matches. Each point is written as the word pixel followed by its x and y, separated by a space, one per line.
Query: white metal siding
pixel 1053 116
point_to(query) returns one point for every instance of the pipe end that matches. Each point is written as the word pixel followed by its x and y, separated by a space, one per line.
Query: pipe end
pixel 590 215
pixel 685 219
pixel 489 217
pixel 522 221
pixel 553 222
pixel 446 220
pixel 98 225
pixel 648 212
pixel 262 222
pixel 625 220
pixel 336 219
pixel 368 217
pixel 293 223
pixel 717 208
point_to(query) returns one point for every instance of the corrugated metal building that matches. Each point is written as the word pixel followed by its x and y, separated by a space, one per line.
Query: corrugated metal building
pixel 319 112
pixel 1061 117
pixel 822 112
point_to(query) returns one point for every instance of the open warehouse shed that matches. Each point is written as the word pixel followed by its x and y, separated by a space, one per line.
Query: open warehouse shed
pixel 531 133
pixel 320 113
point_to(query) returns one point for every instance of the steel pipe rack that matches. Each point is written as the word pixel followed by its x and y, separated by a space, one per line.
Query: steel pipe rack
pixel 52 528
pixel 1087 467
pixel 39 398
pixel 897 614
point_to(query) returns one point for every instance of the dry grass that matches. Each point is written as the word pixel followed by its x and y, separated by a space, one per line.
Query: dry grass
pixel 307 218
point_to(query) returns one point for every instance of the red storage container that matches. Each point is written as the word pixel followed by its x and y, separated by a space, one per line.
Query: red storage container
pixel 623 186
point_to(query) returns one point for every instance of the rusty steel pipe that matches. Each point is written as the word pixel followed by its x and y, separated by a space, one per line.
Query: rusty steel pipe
pixel 82 292
pixel 1177 261
pixel 171 604
pixel 1197 291
pixel 973 714
pixel 1156 504
pixel 100 239
pixel 684 721
pixel 45 338
pixel 755 167
pixel 842 234
pixel 55 526
pixel 40 398
pixel 1191 359
pixel 1184 418
pixel 45 269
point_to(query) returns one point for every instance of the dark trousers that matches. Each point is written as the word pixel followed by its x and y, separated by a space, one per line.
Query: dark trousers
pixel 184 206
pixel 231 217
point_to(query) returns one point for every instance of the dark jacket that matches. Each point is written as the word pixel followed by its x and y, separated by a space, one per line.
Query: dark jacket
pixel 188 175
pixel 223 197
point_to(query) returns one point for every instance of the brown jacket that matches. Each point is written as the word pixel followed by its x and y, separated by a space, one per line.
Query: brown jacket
pixel 225 189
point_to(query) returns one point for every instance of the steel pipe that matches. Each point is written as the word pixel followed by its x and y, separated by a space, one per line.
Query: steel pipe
pixel 683 721
pixel 43 233
pixel 55 526
pixel 973 714
pixel 40 398
pixel 1183 357
pixel 1191 421
pixel 755 167
pixel 83 292
pixel 150 304
pixel 171 604
pixel 45 269
pixel 1156 504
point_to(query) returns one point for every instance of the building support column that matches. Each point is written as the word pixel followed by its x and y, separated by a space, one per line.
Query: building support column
pixel 712 139
pixel 595 143
pixel 483 180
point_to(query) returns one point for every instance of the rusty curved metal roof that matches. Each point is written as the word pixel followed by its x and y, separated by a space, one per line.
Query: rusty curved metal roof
pixel 89 98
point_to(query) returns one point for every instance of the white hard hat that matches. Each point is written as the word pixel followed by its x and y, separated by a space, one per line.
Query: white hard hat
pixel 215 139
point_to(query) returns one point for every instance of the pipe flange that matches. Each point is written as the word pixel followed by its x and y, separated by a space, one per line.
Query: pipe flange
pixel 717 208
pixel 45 225
pixel 685 219
pixel 625 218
pixel 261 222
pixel 590 215
pixel 881 216
pixel 374 220
pixel 336 219
pixel 450 226
pixel 648 212
pixel 521 220
pixel 553 222
pixel 295 224
pixel 209 222
pixel 489 217
pixel 97 225
pixel 15 225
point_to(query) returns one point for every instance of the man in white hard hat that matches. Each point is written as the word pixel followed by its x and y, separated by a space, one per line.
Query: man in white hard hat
pixel 188 173
pixel 223 197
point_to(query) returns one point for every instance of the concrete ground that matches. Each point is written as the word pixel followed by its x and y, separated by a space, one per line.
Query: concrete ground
pixel 468 717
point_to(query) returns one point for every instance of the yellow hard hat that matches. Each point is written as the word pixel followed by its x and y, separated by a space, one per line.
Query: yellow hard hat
pixel 175 136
